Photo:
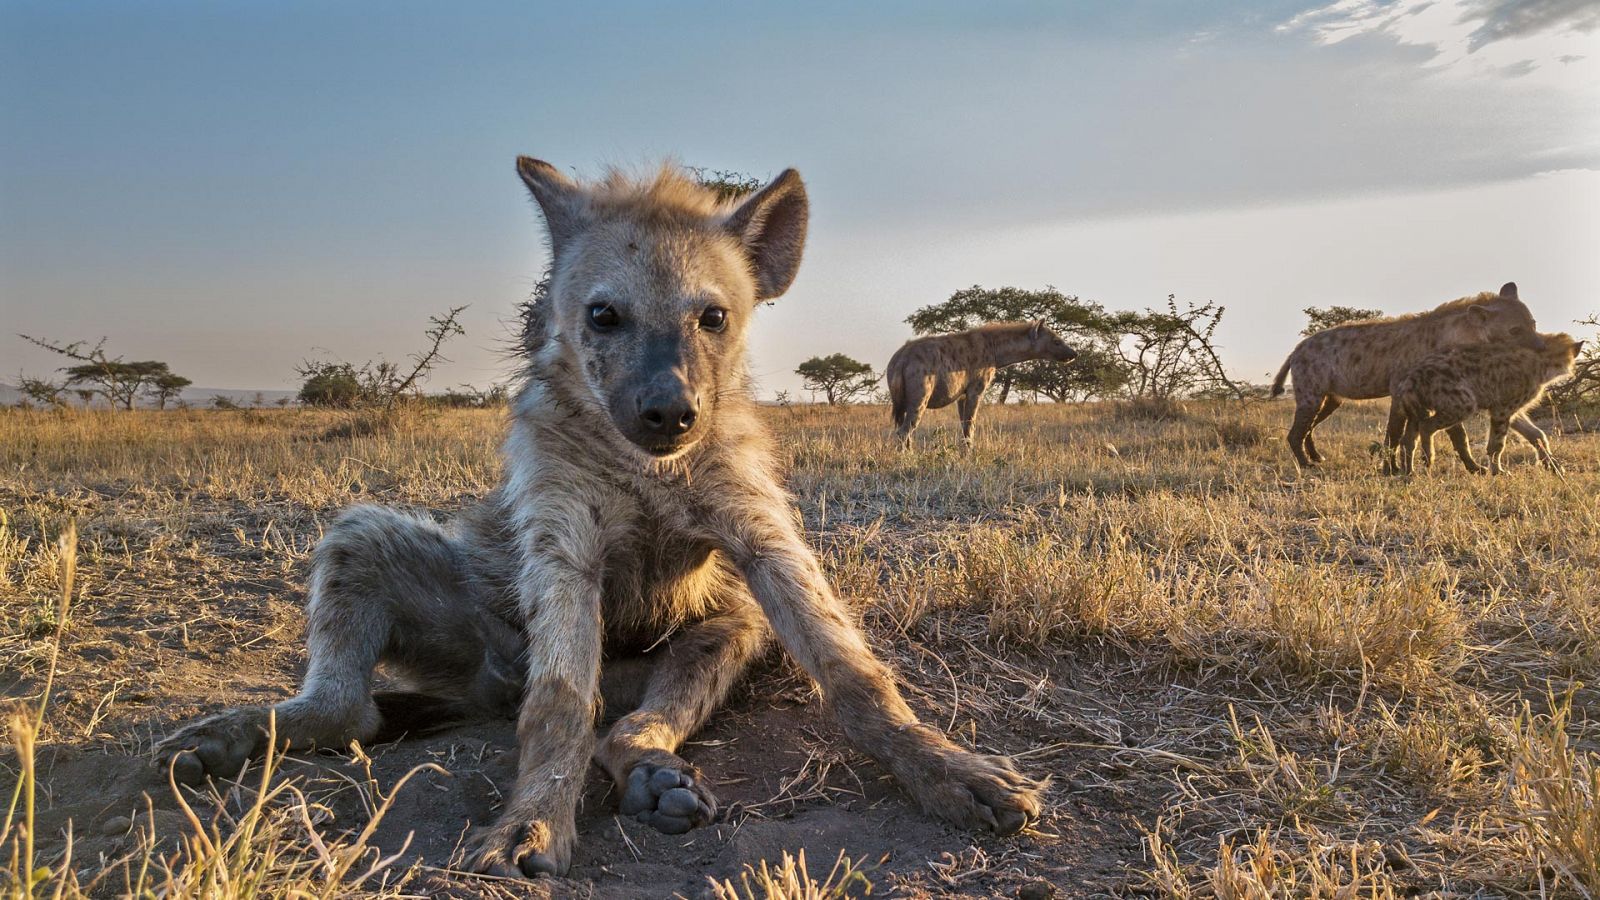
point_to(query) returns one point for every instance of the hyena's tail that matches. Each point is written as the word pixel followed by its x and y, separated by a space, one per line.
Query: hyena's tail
pixel 1283 373
pixel 410 713
pixel 897 396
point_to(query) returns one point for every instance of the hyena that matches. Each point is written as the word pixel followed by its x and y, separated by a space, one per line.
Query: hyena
pixel 1360 360
pixel 642 504
pixel 933 372
pixel 1504 379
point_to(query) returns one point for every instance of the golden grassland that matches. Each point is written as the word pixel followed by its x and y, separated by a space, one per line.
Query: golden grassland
pixel 1328 684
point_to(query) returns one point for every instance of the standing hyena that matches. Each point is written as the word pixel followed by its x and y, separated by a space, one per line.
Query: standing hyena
pixel 933 372
pixel 641 500
pixel 1505 379
pixel 1360 360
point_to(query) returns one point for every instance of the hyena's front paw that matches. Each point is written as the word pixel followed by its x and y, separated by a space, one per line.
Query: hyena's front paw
pixel 977 791
pixel 515 847
pixel 216 746
pixel 669 795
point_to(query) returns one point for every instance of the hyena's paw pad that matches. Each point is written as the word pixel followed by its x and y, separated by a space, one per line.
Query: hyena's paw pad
pixel 215 746
pixel 515 849
pixel 670 798
pixel 977 791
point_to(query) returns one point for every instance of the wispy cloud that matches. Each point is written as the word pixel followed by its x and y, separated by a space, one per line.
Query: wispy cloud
pixel 1515 38
pixel 1504 19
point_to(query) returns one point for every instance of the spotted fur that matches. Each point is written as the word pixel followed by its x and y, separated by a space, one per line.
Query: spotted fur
pixel 1446 387
pixel 1359 360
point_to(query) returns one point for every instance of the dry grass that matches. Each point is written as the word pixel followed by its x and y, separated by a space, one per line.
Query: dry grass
pixel 270 848
pixel 790 879
pixel 1323 684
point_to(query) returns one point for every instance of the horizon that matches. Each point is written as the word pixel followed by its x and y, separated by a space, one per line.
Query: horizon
pixel 234 189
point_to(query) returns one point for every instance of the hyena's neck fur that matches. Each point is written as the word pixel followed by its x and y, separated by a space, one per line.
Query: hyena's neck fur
pixel 1009 343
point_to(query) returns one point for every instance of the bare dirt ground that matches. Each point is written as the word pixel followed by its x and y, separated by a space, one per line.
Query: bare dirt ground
pixel 1242 680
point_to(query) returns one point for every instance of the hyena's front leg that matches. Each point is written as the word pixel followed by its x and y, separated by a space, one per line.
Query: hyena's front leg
pixel 1463 447
pixel 1499 423
pixel 560 594
pixel 969 789
pixel 1536 438
pixel 695 672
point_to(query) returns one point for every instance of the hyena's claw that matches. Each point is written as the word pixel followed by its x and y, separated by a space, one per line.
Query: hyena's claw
pixel 216 746
pixel 187 768
pixel 977 791
pixel 509 849
pixel 670 798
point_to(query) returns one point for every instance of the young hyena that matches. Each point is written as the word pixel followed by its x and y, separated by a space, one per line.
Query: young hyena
pixel 933 372
pixel 1360 360
pixel 1504 379
pixel 642 499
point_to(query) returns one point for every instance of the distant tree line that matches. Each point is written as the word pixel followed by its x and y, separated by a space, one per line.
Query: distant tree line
pixel 95 375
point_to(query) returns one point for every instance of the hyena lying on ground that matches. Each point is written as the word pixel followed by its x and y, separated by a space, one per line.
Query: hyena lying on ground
pixel 1504 379
pixel 641 499
pixel 933 372
pixel 1360 360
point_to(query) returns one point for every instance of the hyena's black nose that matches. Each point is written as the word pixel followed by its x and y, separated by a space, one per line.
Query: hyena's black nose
pixel 669 416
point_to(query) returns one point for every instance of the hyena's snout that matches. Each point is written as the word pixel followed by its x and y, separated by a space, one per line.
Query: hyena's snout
pixel 667 418
pixel 668 415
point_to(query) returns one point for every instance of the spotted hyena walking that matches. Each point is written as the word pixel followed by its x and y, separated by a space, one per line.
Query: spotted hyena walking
pixel 1360 360
pixel 1504 379
pixel 933 372
pixel 642 503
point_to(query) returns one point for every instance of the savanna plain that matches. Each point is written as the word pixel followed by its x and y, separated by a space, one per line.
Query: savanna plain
pixel 1244 681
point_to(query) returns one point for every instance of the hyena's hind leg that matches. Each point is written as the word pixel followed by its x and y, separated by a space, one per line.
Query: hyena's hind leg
pixel 1447 416
pixel 1329 404
pixel 385 587
pixel 1463 447
pixel 695 671
pixel 918 391
pixel 1394 435
pixel 1306 408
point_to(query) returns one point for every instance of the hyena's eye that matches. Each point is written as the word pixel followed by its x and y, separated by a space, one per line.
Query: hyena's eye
pixel 604 317
pixel 715 318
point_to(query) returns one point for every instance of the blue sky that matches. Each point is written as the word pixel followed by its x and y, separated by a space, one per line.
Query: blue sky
pixel 233 187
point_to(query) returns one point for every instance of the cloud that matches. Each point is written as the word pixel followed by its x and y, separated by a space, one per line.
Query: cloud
pixel 1502 19
pixel 1469 38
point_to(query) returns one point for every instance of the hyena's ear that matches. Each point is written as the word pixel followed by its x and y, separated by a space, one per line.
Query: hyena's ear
pixel 561 201
pixel 1508 291
pixel 1037 329
pixel 771 225
pixel 1479 313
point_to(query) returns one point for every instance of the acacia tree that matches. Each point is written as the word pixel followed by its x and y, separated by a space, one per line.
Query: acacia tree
pixel 166 387
pixel 119 383
pixel 42 391
pixel 1583 388
pixel 837 377
pixel 1172 353
pixel 1321 319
